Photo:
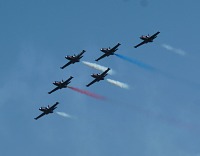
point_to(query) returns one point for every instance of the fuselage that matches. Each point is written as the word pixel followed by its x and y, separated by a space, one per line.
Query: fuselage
pixel 60 84
pixel 73 58
pixel 98 76
pixel 108 51
pixel 147 38
pixel 47 110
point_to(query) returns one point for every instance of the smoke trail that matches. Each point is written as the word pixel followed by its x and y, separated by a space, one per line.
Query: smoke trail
pixel 158 71
pixel 63 114
pixel 98 67
pixel 88 93
pixel 177 51
pixel 136 62
pixel 119 84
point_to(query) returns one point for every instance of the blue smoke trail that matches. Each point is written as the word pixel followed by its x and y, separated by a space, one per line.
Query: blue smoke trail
pixel 182 80
pixel 136 62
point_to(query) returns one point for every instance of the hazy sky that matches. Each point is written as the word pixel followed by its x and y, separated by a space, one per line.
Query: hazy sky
pixel 158 115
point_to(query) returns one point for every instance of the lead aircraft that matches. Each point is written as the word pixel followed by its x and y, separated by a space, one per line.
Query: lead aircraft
pixel 47 110
pixel 98 77
pixel 147 39
pixel 60 84
pixel 73 59
pixel 108 51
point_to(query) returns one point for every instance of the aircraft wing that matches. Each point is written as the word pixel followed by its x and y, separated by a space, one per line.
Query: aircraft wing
pixel 154 35
pixel 95 80
pixel 70 62
pixel 53 90
pixel 104 55
pixel 143 42
pixel 81 53
pixel 68 80
pixel 115 47
pixel 53 107
pixel 39 116
pixel 104 73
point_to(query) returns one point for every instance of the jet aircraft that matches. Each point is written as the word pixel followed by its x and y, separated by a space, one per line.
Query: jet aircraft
pixel 47 110
pixel 60 84
pixel 108 51
pixel 98 77
pixel 147 39
pixel 73 59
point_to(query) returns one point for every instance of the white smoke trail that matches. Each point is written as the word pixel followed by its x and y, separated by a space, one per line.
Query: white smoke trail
pixel 175 50
pixel 63 114
pixel 119 84
pixel 98 67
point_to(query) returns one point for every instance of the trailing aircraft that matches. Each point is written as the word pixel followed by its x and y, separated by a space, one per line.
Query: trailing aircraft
pixel 147 39
pixel 60 84
pixel 47 110
pixel 98 77
pixel 73 59
pixel 108 51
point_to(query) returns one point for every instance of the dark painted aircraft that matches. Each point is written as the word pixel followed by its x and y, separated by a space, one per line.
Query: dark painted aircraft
pixel 47 110
pixel 108 51
pixel 61 84
pixel 98 77
pixel 147 39
pixel 73 59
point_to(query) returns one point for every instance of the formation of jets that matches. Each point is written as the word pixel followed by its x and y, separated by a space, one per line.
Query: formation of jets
pixel 97 77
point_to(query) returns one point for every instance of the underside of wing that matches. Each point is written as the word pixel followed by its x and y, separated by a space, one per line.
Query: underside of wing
pixel 39 116
pixel 52 107
pixel 104 55
pixel 53 90
pixel 154 35
pixel 67 81
pixel 81 53
pixel 140 44
pixel 115 47
pixel 67 64
pixel 95 80
pixel 104 73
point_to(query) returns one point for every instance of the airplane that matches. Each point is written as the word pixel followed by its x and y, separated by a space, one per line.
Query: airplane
pixel 60 84
pixel 47 110
pixel 108 51
pixel 98 77
pixel 73 59
pixel 147 39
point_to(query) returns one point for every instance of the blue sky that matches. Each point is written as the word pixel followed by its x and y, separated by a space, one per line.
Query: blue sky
pixel 158 115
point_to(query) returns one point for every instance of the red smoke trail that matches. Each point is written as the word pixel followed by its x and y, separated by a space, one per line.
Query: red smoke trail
pixel 88 93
